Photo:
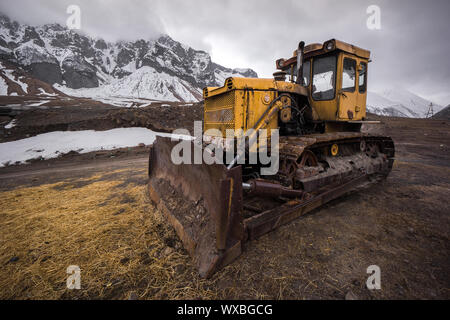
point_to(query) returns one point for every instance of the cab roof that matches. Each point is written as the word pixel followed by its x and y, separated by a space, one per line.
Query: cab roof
pixel 314 49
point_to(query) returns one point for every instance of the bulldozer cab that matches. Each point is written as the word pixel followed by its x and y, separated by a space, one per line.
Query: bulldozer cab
pixel 335 74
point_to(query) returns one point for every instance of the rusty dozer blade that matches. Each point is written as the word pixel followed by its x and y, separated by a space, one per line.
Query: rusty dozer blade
pixel 202 202
pixel 213 215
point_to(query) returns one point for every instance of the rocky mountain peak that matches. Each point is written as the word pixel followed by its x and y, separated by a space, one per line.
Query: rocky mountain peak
pixel 55 54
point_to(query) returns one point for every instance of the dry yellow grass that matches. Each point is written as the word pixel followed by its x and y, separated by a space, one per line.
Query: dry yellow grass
pixel 112 232
pixel 106 225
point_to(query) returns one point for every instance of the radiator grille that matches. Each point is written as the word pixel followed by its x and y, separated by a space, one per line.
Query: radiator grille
pixel 222 115
pixel 219 112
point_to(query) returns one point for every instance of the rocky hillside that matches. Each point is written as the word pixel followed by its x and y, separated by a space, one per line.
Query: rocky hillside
pixel 56 55
pixel 443 114
pixel 16 82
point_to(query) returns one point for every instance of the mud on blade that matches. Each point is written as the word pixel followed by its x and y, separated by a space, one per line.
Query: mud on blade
pixel 202 202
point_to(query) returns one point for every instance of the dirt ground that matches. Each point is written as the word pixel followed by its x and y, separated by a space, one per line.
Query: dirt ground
pixel 93 211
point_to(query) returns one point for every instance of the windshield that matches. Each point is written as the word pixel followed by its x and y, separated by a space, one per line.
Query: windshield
pixel 324 79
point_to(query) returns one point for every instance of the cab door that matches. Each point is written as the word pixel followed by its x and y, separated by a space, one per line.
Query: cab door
pixel 362 90
pixel 347 88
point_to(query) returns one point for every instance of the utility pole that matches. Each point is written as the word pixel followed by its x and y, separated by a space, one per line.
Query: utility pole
pixel 430 112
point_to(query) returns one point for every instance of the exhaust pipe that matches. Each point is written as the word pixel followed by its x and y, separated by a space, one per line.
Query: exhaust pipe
pixel 299 79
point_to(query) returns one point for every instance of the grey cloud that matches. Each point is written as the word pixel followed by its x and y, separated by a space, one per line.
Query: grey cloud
pixel 110 19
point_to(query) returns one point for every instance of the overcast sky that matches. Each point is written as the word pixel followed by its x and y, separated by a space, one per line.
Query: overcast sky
pixel 410 50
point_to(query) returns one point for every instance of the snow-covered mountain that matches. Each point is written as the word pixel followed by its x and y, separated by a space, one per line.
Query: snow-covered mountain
pixel 161 68
pixel 399 102
pixel 146 83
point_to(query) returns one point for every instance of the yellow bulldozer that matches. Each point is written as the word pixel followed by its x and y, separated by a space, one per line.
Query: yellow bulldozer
pixel 281 148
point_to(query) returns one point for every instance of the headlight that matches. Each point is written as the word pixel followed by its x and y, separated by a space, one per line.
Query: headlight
pixel 329 46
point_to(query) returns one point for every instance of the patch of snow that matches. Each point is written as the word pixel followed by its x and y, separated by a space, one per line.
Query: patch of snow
pixel 52 144
pixel 3 87
pixel 45 93
pixel 37 104
pixel 10 125
pixel 23 85
pixel 113 102
pixel 9 73
pixel 122 102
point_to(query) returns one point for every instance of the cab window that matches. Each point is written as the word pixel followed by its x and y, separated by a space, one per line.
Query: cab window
pixel 306 72
pixel 349 75
pixel 324 78
pixel 363 78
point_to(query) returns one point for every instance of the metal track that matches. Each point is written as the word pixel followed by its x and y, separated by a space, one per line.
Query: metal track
pixel 293 148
